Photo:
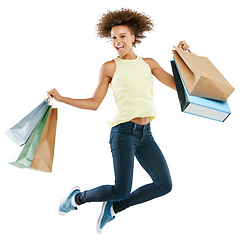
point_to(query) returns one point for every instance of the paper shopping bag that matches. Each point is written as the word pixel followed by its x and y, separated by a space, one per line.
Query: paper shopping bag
pixel 20 132
pixel 43 158
pixel 203 107
pixel 25 158
pixel 201 77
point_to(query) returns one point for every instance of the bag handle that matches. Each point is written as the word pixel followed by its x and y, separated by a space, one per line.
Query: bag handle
pixel 187 50
pixel 49 98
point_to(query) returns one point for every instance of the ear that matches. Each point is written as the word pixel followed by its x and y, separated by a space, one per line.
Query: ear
pixel 133 38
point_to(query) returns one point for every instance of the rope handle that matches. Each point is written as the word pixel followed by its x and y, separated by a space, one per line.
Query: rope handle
pixel 187 50
pixel 48 99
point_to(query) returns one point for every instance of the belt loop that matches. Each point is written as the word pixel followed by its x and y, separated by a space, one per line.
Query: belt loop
pixel 135 125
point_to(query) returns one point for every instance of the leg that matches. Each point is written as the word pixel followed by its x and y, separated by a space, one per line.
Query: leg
pixel 152 160
pixel 123 150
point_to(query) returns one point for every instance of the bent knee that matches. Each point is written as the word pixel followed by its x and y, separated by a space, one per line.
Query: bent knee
pixel 121 194
pixel 168 187
pixel 164 187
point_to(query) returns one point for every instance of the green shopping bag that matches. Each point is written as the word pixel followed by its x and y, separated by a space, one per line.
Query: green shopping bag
pixel 26 156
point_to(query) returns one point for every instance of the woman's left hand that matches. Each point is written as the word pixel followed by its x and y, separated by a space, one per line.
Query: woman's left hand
pixel 183 45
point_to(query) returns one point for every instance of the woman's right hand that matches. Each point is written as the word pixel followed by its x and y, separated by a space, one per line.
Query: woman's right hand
pixel 54 93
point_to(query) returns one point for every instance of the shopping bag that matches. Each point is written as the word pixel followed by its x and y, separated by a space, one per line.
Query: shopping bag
pixel 201 77
pixel 43 158
pixel 203 107
pixel 25 158
pixel 20 132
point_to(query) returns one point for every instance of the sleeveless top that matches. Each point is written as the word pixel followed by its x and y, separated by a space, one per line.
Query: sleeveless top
pixel 132 86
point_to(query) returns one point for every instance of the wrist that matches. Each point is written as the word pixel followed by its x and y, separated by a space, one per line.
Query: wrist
pixel 61 99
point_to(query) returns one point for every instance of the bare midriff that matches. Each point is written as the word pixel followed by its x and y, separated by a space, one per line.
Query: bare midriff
pixel 141 121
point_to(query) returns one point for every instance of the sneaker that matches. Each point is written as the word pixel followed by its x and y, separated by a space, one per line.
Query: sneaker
pixel 66 204
pixel 107 214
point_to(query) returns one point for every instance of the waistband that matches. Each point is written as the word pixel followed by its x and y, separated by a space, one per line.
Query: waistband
pixel 133 126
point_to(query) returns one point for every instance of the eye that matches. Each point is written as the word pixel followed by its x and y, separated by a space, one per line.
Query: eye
pixel 113 37
pixel 123 36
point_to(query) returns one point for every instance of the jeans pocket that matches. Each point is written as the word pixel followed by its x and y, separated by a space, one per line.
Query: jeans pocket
pixel 125 129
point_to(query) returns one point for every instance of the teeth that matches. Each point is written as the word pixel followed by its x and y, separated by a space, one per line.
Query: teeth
pixel 119 47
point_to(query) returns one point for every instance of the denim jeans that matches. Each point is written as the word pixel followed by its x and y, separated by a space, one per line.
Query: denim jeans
pixel 129 140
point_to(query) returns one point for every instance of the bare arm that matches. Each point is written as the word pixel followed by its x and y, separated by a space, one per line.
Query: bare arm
pixel 89 103
pixel 164 77
pixel 161 74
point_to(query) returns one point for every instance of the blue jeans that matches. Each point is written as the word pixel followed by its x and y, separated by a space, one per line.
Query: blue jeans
pixel 128 140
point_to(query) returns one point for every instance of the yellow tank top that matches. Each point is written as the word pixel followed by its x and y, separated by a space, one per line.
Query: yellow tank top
pixel 132 86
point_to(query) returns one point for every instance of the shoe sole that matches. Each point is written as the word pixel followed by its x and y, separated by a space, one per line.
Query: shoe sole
pixel 59 211
pixel 99 231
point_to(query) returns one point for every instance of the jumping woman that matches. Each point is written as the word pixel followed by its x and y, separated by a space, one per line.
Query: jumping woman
pixel 130 78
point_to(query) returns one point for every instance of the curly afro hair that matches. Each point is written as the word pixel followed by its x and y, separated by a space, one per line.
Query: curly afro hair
pixel 139 23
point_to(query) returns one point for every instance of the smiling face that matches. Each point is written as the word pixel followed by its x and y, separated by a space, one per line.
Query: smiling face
pixel 122 40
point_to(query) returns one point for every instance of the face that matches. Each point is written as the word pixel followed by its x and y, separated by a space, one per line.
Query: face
pixel 122 40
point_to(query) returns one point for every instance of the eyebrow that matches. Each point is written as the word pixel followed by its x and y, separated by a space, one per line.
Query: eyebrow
pixel 120 34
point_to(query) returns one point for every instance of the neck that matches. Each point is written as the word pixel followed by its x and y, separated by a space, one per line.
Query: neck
pixel 129 56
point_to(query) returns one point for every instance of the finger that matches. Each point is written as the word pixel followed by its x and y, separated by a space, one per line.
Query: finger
pixel 181 43
pixel 185 46
pixel 53 91
pixel 50 94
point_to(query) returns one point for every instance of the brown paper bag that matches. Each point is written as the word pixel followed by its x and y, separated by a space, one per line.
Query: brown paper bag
pixel 43 158
pixel 201 77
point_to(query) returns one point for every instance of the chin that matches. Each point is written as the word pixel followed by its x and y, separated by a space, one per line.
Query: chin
pixel 121 55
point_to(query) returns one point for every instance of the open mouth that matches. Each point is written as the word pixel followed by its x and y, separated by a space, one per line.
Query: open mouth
pixel 119 48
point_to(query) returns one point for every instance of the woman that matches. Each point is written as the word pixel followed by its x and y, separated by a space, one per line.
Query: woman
pixel 130 78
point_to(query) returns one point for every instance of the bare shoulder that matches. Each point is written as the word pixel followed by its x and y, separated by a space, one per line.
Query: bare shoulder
pixel 151 62
pixel 109 68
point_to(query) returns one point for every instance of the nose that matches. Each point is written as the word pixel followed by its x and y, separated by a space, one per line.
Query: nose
pixel 118 42
pixel 117 39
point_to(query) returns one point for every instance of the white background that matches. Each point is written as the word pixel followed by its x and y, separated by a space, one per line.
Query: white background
pixel 46 44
